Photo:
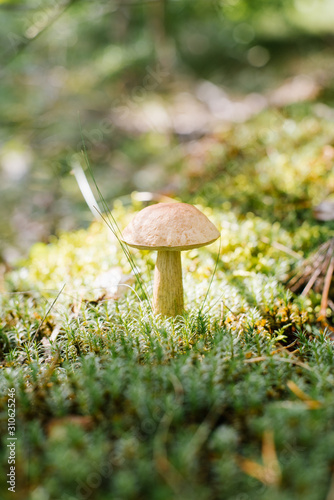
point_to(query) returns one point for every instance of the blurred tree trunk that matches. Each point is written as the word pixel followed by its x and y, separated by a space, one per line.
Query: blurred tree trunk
pixel 120 30
pixel 164 46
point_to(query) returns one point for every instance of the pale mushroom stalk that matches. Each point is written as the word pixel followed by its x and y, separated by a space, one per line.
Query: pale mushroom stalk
pixel 169 228
pixel 168 286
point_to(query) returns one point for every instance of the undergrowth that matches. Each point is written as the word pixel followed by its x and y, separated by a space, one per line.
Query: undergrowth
pixel 233 400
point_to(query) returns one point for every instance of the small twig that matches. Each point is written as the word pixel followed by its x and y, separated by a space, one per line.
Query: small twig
pixel 222 308
pixel 213 275
pixel 328 280
pixel 285 360
pixel 297 391
pixel 311 281
pixel 269 472
pixel 316 272
pixel 283 348
pixel 281 247
pixel 48 312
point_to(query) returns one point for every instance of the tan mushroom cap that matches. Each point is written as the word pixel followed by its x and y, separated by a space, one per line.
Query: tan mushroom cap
pixel 170 226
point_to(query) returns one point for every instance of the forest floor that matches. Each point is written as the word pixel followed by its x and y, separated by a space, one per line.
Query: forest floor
pixel 232 400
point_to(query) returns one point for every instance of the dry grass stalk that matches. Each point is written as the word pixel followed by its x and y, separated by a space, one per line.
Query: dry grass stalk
pixel 316 272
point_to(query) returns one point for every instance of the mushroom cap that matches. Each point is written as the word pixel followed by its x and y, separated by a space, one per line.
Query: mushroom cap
pixel 170 226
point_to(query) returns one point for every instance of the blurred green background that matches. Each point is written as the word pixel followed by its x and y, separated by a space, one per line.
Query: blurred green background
pixel 150 82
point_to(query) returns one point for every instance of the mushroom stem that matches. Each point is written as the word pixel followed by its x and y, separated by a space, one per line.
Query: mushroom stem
pixel 168 288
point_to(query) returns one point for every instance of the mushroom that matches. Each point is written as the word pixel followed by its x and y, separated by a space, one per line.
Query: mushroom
pixel 169 228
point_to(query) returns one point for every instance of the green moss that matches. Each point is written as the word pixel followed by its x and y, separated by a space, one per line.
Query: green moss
pixel 113 402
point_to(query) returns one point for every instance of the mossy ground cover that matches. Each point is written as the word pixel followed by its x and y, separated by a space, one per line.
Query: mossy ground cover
pixel 234 400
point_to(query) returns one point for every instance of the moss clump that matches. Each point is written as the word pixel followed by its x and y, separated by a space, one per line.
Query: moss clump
pixel 113 402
